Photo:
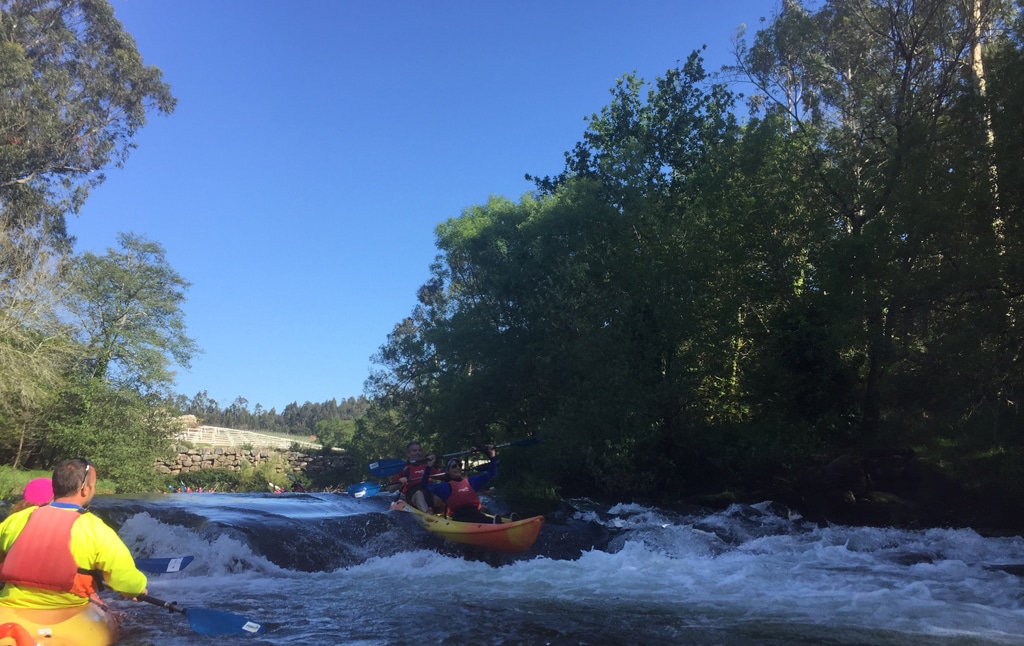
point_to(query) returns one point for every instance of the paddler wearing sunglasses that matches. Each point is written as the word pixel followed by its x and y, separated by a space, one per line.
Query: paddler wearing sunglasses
pixel 459 493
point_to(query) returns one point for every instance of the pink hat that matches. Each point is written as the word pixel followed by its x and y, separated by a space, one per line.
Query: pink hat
pixel 39 491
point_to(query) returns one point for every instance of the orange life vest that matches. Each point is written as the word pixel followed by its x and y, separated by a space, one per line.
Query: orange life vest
pixel 40 556
pixel 463 495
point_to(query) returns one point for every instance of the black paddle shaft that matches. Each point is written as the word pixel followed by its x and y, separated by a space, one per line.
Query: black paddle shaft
pixel 172 606
pixel 527 442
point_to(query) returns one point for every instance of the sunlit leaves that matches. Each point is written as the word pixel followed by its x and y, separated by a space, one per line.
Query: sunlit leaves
pixel 127 307
pixel 73 93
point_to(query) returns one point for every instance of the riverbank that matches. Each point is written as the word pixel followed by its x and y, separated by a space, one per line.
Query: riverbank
pixel 892 488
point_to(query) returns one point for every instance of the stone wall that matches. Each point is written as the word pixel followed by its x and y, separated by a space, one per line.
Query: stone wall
pixel 188 460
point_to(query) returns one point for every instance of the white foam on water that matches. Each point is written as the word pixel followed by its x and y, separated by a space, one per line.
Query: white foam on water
pixel 746 573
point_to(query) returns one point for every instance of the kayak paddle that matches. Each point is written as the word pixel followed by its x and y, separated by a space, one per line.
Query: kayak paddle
pixel 209 622
pixel 386 467
pixel 159 566
pixel 390 466
pixel 363 489
pixel 530 441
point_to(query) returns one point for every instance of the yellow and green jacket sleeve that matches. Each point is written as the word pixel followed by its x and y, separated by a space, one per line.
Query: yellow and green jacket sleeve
pixel 94 545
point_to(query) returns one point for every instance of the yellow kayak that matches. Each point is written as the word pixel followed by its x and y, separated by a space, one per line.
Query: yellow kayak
pixel 516 536
pixel 88 625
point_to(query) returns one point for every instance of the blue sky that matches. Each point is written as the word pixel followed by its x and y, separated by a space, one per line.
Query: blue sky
pixel 317 144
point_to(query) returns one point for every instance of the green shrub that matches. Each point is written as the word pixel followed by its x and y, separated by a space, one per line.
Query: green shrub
pixel 217 479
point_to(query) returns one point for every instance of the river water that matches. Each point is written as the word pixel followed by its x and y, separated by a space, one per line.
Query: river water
pixel 329 569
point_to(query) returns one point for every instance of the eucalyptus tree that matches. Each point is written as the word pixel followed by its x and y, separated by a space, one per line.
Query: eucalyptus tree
pixel 237 414
pixel 888 97
pixel 73 92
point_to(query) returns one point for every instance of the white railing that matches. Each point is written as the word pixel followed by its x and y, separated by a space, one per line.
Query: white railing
pixel 217 436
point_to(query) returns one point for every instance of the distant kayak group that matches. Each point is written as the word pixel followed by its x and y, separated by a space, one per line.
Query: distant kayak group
pixel 447 503
pixel 444 502
pixel 187 489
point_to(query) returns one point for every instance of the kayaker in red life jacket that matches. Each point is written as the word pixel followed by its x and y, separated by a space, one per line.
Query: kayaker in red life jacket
pixel 460 494
pixel 51 554
pixel 409 478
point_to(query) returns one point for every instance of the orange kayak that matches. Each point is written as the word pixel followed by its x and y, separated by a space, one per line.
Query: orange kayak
pixel 516 536
pixel 86 625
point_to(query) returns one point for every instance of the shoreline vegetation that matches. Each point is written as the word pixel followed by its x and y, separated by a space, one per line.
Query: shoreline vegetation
pixel 871 488
pixel 891 489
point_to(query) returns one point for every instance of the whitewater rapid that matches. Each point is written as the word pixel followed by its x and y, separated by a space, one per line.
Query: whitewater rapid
pixel 748 575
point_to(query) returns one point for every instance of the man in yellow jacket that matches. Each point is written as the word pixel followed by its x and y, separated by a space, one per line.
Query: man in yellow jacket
pixel 51 554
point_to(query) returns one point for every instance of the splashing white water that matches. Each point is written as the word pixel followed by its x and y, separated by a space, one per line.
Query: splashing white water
pixel 743 576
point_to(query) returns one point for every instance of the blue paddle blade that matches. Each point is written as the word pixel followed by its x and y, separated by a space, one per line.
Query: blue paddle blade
pixel 218 622
pixel 386 467
pixel 160 566
pixel 363 489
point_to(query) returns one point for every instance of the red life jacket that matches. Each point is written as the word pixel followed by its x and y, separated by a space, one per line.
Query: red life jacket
pixel 413 474
pixel 463 495
pixel 40 556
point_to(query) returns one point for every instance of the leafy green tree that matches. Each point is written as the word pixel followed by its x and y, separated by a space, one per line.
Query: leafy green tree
pixel 35 347
pixel 237 414
pixel 128 316
pixel 580 310
pixel 127 326
pixel 335 432
pixel 203 406
pixel 694 302
pixel 74 92
pixel 120 430
pixel 887 96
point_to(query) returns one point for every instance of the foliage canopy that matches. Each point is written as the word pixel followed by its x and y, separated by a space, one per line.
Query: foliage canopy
pixel 699 300
pixel 74 92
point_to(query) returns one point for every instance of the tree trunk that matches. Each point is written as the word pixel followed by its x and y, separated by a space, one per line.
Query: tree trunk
pixel 978 68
